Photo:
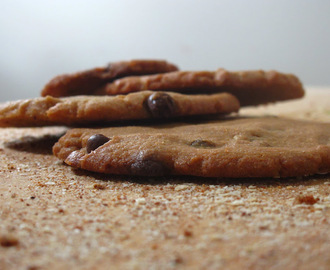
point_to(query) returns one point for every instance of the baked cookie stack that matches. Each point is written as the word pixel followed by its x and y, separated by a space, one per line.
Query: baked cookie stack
pixel 145 117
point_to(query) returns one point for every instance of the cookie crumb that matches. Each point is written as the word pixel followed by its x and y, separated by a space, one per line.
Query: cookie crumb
pixel 33 267
pixel 307 199
pixel 154 246
pixel 8 241
pixel 263 227
pixel 178 260
pixel 187 233
pixel 100 186
pixel 96 186
pixel 11 167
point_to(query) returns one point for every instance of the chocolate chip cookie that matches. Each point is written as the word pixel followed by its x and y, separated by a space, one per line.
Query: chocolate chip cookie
pixel 85 82
pixel 236 147
pixel 250 87
pixel 84 110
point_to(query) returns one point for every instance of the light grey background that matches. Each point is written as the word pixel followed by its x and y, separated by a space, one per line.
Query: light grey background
pixel 41 39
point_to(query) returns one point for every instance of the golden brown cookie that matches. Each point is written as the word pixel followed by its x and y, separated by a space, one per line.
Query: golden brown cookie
pixel 85 82
pixel 83 110
pixel 27 112
pixel 250 87
pixel 246 147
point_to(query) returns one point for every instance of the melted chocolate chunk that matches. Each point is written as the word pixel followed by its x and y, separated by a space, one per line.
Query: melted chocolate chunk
pixel 161 105
pixel 148 167
pixel 202 144
pixel 95 141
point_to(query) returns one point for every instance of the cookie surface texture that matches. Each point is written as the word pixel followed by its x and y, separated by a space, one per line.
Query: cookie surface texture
pixel 250 87
pixel 83 110
pixel 28 112
pixel 85 82
pixel 236 147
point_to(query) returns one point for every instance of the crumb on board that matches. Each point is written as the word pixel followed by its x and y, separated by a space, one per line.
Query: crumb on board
pixel 306 199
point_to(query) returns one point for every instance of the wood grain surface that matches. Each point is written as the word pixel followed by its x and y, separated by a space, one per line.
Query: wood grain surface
pixel 55 217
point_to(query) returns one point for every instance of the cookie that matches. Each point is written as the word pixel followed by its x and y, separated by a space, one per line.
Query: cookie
pixel 84 110
pixel 250 87
pixel 85 82
pixel 237 147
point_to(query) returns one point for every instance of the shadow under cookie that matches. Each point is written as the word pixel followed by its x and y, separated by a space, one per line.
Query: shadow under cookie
pixel 35 144
pixel 200 181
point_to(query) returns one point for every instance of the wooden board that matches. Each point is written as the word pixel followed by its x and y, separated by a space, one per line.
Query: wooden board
pixel 54 217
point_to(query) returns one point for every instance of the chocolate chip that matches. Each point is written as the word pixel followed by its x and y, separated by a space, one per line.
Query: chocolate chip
pixel 161 105
pixel 147 167
pixel 95 141
pixel 202 144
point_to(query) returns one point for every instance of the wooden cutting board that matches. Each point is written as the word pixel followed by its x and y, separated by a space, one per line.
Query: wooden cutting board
pixel 55 217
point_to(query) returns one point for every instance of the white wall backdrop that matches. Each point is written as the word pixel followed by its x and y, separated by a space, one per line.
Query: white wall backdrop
pixel 41 39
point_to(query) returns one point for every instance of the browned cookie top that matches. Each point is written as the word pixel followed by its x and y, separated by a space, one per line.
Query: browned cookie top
pixel 236 147
pixel 85 82
pixel 250 87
